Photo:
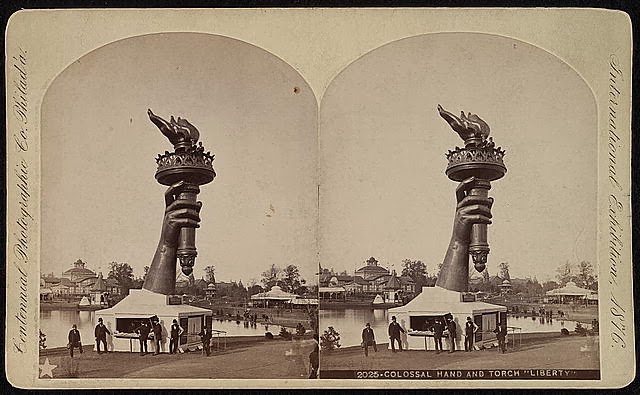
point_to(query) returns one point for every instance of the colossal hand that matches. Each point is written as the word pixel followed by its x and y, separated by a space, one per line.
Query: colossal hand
pixel 469 210
pixel 454 274
pixel 177 215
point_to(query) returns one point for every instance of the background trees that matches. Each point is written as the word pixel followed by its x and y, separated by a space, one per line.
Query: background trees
pixel 210 274
pixel 582 274
pixel 417 270
pixel 564 273
pixel 503 271
pixel 291 280
pixel 270 276
pixel 123 273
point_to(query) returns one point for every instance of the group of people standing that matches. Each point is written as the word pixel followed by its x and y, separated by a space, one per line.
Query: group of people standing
pixel 175 332
pixel 439 327
pixel 369 337
pixel 146 331
pixel 100 332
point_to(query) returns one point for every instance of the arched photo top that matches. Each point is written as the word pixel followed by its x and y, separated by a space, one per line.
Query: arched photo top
pixel 254 112
pixel 459 52
pixel 384 144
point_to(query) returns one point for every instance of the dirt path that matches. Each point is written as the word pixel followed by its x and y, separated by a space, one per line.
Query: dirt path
pixel 265 359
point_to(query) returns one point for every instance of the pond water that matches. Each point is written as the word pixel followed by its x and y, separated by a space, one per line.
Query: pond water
pixel 56 324
pixel 350 322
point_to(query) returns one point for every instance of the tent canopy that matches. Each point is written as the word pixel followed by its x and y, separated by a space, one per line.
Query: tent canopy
pixel 571 289
pixel 275 293
pixel 439 301
pixel 144 303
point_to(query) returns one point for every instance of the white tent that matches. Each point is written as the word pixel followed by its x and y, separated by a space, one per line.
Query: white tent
pixel 141 304
pixel 275 293
pixel 570 289
pixel 418 315
pixel 274 296
pixel 569 292
pixel 378 300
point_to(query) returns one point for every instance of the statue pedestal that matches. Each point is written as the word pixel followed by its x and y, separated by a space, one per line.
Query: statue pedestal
pixel 434 302
pixel 140 305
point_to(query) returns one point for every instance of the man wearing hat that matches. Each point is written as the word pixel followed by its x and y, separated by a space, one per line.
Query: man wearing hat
pixel 453 333
pixel 205 336
pixel 157 335
pixel 143 334
pixel 74 340
pixel 394 334
pixel 368 339
pixel 438 330
pixel 470 329
pixel 101 333
pixel 175 333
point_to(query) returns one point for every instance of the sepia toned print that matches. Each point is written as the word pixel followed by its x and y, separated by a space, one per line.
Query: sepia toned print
pixel 356 198
pixel 509 306
pixel 245 295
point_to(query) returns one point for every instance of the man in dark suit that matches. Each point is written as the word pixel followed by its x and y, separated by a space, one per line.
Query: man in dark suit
pixel 205 336
pixel 143 334
pixel 394 334
pixel 501 335
pixel 101 333
pixel 453 334
pixel 157 336
pixel 470 329
pixel 438 330
pixel 74 340
pixel 368 339
pixel 174 336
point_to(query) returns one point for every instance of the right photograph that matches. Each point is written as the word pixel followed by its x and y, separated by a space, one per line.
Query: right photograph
pixel 458 219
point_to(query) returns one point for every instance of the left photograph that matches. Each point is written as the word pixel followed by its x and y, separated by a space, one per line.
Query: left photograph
pixel 179 213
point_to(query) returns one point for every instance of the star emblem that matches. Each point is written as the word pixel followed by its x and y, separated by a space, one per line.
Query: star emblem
pixel 46 369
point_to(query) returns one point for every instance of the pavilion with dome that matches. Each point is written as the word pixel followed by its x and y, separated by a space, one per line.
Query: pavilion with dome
pixel 571 293
pixel 371 279
pixel 79 281
pixel 371 270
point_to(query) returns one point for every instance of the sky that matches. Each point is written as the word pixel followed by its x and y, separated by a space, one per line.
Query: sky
pixel 100 201
pixel 376 147
pixel 383 188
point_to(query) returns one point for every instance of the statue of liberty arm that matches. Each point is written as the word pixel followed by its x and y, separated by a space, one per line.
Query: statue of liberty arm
pixel 474 167
pixel 183 171
pixel 179 213
pixel 470 209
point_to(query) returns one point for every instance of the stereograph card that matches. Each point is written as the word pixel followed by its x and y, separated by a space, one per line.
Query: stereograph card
pixel 306 198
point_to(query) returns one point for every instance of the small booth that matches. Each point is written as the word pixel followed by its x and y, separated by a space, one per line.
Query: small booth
pixel 418 316
pixel 272 298
pixel 570 293
pixel 140 305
